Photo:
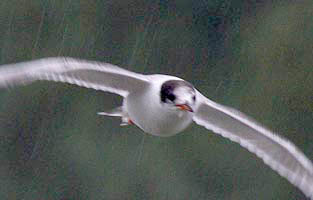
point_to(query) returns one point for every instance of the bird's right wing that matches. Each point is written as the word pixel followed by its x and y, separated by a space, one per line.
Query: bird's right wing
pixel 278 153
pixel 89 74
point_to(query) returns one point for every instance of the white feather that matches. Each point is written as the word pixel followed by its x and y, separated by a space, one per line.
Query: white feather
pixel 89 74
pixel 278 153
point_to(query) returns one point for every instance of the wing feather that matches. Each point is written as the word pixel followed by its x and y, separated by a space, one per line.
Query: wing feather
pixel 278 153
pixel 89 74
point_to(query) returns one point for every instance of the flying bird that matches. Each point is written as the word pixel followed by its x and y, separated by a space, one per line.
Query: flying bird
pixel 164 105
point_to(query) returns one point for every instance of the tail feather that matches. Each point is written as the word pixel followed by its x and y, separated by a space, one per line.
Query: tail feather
pixel 116 112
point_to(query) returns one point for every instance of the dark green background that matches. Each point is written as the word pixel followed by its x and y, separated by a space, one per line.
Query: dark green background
pixel 253 55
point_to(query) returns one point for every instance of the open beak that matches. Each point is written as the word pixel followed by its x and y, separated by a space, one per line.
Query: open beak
pixel 184 107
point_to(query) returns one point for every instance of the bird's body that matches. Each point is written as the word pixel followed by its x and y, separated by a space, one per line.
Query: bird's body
pixel 145 109
pixel 165 105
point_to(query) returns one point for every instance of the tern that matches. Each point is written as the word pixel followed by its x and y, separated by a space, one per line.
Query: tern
pixel 164 105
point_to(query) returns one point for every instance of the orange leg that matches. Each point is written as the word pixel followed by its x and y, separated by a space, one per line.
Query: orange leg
pixel 130 122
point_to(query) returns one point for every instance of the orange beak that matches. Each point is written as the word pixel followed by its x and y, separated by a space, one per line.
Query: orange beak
pixel 184 107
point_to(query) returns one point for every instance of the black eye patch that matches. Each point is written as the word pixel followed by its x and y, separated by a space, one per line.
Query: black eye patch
pixel 167 94
pixel 168 87
pixel 171 97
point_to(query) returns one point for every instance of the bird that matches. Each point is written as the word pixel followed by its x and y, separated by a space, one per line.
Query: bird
pixel 164 105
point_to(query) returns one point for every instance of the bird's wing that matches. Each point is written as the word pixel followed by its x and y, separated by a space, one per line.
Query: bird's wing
pixel 280 154
pixel 89 74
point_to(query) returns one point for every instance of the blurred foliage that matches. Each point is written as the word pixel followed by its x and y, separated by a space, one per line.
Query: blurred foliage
pixel 253 55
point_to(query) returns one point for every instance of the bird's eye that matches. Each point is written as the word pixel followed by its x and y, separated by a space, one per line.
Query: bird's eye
pixel 171 97
pixel 194 97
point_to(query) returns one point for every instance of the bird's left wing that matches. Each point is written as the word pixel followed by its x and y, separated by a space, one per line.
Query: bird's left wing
pixel 89 74
pixel 280 154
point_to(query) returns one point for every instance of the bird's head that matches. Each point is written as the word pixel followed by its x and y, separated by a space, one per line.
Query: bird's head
pixel 179 95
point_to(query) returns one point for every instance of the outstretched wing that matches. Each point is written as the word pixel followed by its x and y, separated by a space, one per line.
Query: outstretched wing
pixel 280 154
pixel 89 74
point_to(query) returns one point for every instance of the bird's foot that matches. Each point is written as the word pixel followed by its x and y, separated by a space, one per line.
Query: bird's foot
pixel 126 122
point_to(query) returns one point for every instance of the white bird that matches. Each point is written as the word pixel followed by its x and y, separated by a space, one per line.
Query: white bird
pixel 165 105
